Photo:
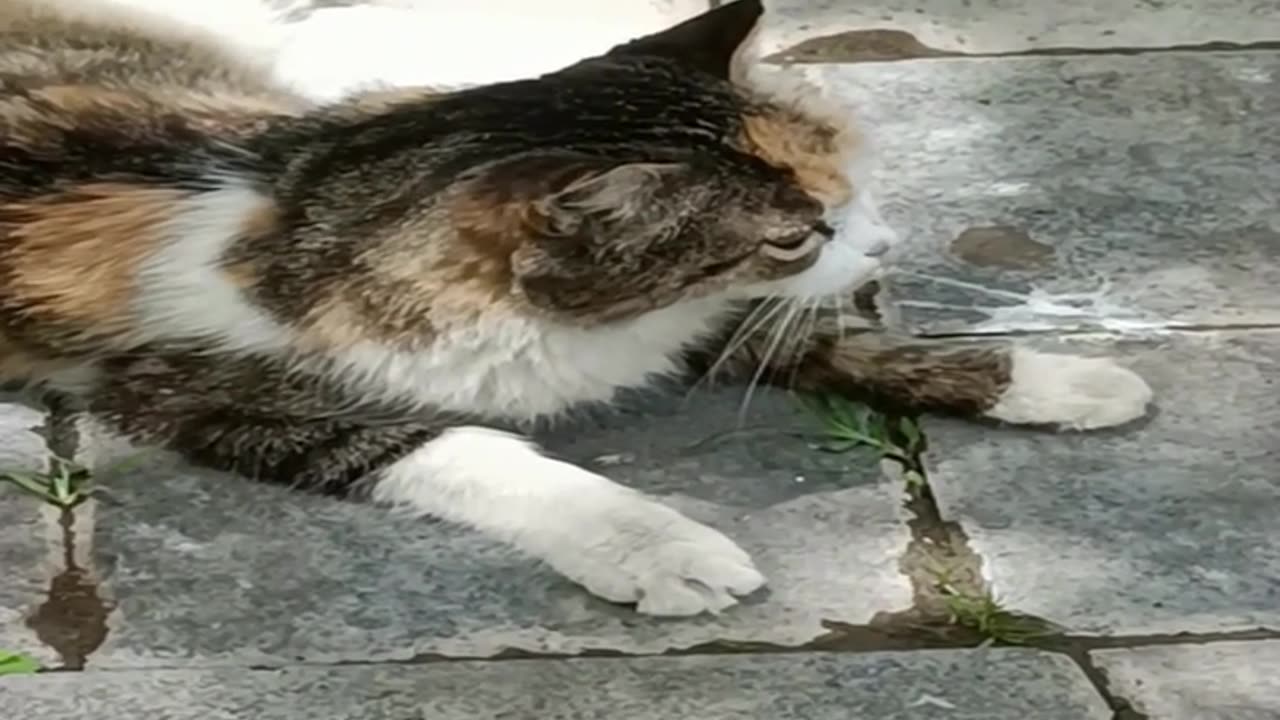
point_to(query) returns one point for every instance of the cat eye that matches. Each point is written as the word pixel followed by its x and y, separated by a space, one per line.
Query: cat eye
pixel 794 247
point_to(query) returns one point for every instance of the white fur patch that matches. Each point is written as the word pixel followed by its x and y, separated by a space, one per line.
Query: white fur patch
pixel 1074 392
pixel 183 292
pixel 520 369
pixel 243 28
pixel 614 541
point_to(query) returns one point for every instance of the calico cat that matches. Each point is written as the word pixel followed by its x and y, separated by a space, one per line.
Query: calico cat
pixel 351 298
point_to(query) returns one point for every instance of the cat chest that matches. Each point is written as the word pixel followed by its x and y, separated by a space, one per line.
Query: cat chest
pixel 524 370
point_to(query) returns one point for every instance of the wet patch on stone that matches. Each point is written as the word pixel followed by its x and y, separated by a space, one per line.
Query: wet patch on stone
pixel 866 300
pixel 73 619
pixel 1001 246
pixel 874 45
pixel 887 45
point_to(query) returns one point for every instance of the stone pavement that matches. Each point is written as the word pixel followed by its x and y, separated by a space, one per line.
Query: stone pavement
pixel 1103 176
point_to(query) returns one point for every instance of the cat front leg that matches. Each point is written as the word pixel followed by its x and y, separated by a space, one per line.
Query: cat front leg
pixel 1009 384
pixel 614 541
pixel 1015 385
pixel 618 543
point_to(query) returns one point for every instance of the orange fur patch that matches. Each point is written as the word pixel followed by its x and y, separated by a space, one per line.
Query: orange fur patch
pixel 449 264
pixel 86 98
pixel 211 112
pixel 74 255
pixel 333 325
pixel 816 154
pixel 490 228
pixel 259 223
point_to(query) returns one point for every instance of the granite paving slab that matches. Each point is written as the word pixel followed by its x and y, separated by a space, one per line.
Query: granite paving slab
pixel 1167 526
pixel 1002 26
pixel 1215 681
pixel 991 685
pixel 206 569
pixel 1116 192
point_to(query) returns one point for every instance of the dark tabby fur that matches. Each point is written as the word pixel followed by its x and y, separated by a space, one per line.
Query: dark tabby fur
pixel 220 268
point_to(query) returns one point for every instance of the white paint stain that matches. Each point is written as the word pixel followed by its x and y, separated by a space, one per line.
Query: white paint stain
pixel 1040 309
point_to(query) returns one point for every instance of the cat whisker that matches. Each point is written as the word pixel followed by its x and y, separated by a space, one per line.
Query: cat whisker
pixel 960 284
pixel 771 348
pixel 839 303
pixel 799 350
pixel 792 348
pixel 788 359
pixel 764 311
pixel 759 318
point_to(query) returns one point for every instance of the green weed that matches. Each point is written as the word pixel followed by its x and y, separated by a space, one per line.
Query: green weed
pixel 15 663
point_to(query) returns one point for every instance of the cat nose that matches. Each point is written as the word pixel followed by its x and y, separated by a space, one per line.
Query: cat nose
pixel 878 248
pixel 881 239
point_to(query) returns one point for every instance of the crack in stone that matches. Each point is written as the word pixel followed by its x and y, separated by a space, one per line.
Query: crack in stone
pixel 1080 648
pixel 941 546
pixel 1172 327
pixel 937 561
pixel 842 638
pixel 73 618
pixel 1121 708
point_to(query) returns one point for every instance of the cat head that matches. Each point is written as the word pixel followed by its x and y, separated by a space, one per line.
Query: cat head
pixel 667 169
pixel 691 174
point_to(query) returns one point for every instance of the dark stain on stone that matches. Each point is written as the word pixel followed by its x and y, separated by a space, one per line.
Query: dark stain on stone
pixel 1144 153
pixel 875 45
pixel 73 618
pixel 887 44
pixel 864 301
pixel 1002 246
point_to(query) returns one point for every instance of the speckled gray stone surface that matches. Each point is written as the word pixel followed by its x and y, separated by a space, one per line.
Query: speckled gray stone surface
pixel 1165 527
pixel 1145 177
pixel 30 541
pixel 1132 193
pixel 992 685
pixel 1217 681
pixel 990 26
pixel 207 569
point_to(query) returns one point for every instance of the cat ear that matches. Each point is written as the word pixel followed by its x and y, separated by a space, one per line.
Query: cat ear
pixel 615 195
pixel 714 42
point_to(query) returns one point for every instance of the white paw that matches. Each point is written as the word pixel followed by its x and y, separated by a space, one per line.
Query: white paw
pixel 1070 391
pixel 627 548
pixel 612 540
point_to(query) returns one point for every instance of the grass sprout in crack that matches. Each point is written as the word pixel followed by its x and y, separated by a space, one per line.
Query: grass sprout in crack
pixel 848 425
pixel 65 484
pixel 985 615
pixel 16 663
